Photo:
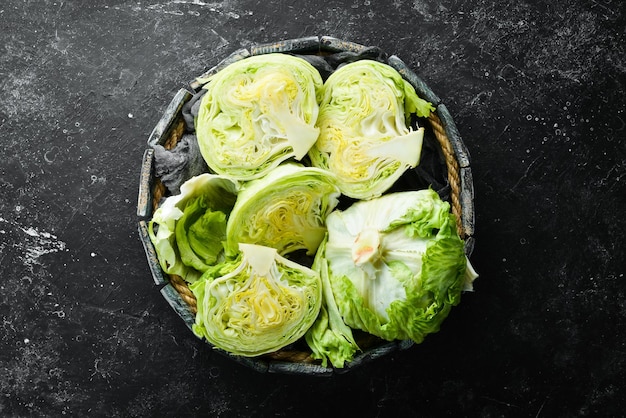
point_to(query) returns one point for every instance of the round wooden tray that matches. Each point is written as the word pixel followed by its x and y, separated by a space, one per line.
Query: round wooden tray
pixel 446 169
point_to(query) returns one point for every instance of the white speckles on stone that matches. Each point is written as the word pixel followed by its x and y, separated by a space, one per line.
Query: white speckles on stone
pixel 51 154
pixel 35 243
pixel 97 179
pixel 20 97
pixel 59 313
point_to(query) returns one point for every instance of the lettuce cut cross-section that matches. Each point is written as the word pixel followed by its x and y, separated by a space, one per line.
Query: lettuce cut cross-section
pixel 286 210
pixel 257 303
pixel 366 138
pixel 257 113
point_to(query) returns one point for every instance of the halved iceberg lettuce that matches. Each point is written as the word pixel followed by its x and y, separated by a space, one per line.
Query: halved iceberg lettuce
pixel 256 303
pixel 365 135
pixel 286 210
pixel 257 113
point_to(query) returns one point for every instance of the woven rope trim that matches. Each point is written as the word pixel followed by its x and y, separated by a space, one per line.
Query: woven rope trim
pixel 453 170
pixel 182 287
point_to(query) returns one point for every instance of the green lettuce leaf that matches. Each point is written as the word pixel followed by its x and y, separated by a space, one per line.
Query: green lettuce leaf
pixel 188 229
pixel 329 338
pixel 200 234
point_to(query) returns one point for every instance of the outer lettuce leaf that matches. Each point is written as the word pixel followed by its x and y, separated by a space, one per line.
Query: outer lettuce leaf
pixel 329 338
pixel 285 210
pixel 257 303
pixel 257 113
pixel 364 122
pixel 189 228
pixel 200 233
pixel 396 264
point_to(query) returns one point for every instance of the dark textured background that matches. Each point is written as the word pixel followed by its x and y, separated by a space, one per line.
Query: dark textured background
pixel 537 90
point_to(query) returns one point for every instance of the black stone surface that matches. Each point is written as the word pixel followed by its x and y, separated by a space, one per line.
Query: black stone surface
pixel 537 90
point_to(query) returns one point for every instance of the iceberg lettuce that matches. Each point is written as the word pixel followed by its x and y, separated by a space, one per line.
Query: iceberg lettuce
pixel 396 265
pixel 257 303
pixel 257 113
pixel 285 210
pixel 365 135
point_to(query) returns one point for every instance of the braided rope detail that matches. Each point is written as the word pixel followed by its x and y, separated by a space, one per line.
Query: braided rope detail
pixel 176 135
pixel 182 288
pixel 158 191
pixel 453 169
